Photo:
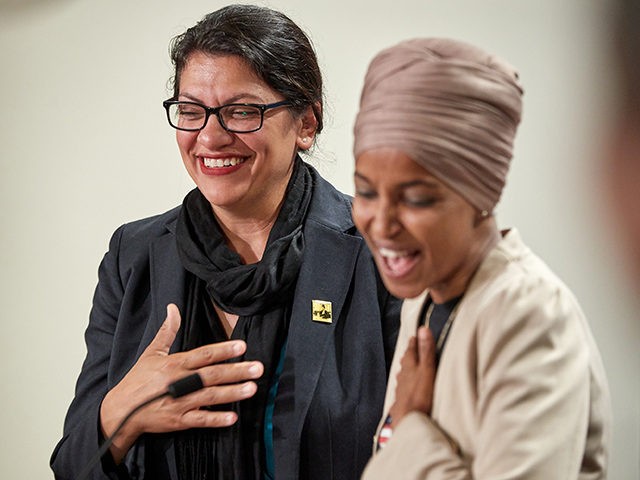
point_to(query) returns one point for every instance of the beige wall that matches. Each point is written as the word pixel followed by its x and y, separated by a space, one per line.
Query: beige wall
pixel 84 147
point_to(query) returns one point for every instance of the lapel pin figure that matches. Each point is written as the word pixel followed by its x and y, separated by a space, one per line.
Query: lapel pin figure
pixel 321 311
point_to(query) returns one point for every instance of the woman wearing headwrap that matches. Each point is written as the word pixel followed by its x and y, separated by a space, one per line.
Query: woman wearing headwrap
pixel 496 374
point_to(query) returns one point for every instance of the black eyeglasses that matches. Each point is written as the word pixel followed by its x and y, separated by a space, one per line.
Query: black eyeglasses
pixel 234 117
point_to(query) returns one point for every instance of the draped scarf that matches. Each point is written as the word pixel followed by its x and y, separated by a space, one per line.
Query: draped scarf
pixel 260 294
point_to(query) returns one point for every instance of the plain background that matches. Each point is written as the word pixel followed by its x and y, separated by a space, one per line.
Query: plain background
pixel 85 147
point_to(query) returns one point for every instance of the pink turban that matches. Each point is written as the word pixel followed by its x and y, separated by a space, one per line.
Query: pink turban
pixel 451 107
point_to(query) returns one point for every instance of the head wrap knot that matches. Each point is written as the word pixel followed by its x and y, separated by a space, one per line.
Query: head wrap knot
pixel 451 107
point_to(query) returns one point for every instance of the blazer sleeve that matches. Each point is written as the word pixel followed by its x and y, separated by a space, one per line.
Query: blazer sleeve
pixel 82 434
pixel 531 411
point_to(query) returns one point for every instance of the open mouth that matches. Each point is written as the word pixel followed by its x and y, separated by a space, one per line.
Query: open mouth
pixel 222 162
pixel 220 166
pixel 398 263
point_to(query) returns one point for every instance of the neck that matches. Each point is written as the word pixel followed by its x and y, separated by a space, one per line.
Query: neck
pixel 457 283
pixel 247 225
pixel 247 235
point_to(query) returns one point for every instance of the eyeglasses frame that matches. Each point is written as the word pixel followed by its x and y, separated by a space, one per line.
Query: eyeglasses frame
pixel 263 107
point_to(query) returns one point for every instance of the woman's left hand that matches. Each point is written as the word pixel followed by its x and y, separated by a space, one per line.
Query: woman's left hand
pixel 414 390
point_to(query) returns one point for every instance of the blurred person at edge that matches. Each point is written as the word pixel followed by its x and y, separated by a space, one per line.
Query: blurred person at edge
pixel 245 264
pixel 621 160
pixel 496 374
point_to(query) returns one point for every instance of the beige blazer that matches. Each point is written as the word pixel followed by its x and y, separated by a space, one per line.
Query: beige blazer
pixel 520 391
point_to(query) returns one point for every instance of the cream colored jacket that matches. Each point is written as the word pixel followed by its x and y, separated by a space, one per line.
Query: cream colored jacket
pixel 520 391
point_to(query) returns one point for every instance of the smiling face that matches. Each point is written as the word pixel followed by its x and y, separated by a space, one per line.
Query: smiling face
pixel 242 173
pixel 422 233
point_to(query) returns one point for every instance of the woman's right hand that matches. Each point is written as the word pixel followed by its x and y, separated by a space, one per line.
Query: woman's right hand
pixel 156 369
pixel 416 378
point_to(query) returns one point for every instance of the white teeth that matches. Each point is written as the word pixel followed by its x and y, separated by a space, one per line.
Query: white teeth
pixel 217 163
pixel 388 253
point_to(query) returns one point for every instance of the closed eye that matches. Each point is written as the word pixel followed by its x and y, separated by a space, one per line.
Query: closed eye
pixel 366 194
pixel 420 202
pixel 190 111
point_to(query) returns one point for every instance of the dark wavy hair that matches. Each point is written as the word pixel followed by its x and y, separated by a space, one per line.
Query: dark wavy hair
pixel 270 42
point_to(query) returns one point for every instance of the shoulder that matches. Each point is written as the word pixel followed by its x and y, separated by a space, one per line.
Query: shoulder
pixel 329 207
pixel 133 238
pixel 512 272
pixel 515 294
pixel 151 227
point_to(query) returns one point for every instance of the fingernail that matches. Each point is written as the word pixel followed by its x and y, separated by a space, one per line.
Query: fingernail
pixel 254 369
pixel 247 388
pixel 237 348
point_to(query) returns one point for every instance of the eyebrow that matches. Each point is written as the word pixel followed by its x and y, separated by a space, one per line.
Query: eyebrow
pixel 429 183
pixel 251 98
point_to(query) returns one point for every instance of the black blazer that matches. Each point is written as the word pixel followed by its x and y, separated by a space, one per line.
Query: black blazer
pixel 332 387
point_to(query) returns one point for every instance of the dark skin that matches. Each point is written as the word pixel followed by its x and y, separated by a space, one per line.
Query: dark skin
pixel 402 208
pixel 414 390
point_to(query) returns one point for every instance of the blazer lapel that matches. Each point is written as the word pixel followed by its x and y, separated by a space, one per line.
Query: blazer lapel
pixel 168 279
pixel 168 285
pixel 325 276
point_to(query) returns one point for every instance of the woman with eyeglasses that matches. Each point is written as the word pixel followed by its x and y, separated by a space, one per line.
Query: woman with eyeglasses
pixel 496 374
pixel 259 282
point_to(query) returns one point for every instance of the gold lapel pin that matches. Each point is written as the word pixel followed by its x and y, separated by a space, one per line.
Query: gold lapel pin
pixel 321 311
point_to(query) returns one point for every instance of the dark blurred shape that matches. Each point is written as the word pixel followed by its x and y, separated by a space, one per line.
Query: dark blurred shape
pixel 621 158
pixel 626 31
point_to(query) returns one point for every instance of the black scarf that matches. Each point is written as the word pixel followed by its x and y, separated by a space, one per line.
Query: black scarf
pixel 261 295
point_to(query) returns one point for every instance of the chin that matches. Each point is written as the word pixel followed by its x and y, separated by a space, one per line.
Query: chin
pixel 221 195
pixel 402 290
